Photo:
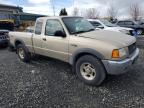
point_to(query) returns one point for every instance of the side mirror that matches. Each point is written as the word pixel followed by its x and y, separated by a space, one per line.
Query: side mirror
pixel 60 33
pixel 100 26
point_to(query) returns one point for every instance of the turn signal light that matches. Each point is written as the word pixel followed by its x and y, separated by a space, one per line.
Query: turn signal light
pixel 115 53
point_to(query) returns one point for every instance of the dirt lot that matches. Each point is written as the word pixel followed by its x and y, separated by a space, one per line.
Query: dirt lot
pixel 48 83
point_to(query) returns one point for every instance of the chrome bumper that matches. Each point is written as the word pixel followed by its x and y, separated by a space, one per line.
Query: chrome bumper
pixel 120 67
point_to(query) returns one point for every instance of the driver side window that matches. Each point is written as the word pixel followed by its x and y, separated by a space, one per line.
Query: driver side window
pixel 52 26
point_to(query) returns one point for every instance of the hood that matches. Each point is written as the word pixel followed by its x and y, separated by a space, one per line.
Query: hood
pixel 115 38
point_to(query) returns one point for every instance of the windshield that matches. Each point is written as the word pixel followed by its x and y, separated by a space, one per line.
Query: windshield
pixel 77 25
pixel 108 24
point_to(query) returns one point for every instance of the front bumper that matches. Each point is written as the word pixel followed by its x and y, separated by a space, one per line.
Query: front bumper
pixel 120 67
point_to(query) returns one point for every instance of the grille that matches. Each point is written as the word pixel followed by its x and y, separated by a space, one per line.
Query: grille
pixel 132 48
pixel 3 35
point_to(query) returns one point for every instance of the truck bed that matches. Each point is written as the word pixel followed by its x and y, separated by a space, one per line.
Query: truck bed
pixel 24 36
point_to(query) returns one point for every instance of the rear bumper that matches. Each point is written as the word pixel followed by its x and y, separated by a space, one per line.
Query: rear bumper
pixel 120 67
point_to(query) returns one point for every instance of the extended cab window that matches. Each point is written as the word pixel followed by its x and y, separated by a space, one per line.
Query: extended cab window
pixel 38 27
pixel 52 26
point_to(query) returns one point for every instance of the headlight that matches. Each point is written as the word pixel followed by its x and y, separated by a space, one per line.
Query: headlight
pixel 118 53
pixel 122 52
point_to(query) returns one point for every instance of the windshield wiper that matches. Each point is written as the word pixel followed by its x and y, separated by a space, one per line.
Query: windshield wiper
pixel 83 31
pixel 78 32
pixel 90 30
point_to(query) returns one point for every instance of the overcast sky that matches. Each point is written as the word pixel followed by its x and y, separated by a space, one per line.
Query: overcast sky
pixel 44 6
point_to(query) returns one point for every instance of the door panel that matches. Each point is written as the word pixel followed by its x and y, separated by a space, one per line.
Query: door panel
pixel 37 44
pixel 55 46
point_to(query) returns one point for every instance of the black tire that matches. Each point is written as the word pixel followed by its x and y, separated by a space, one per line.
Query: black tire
pixel 97 65
pixel 26 54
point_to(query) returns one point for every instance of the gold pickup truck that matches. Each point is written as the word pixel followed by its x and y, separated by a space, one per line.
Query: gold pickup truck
pixel 92 53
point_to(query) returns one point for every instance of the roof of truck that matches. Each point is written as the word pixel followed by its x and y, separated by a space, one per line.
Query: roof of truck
pixel 55 17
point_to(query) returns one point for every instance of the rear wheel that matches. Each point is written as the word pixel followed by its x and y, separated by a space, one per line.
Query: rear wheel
pixel 90 70
pixel 23 53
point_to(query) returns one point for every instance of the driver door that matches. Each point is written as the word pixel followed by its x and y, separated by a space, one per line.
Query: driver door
pixel 55 46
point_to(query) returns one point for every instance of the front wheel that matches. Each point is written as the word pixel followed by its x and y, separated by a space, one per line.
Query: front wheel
pixel 23 53
pixel 90 70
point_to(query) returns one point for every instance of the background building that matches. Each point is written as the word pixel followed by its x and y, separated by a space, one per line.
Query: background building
pixel 7 10
pixel 10 9
pixel 15 15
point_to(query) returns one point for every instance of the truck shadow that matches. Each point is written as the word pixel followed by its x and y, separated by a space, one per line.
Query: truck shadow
pixel 3 47
pixel 43 61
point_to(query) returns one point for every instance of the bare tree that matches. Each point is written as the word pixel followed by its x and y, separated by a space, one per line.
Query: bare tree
pixel 135 11
pixel 76 11
pixel 112 12
pixel 92 13
pixel 53 6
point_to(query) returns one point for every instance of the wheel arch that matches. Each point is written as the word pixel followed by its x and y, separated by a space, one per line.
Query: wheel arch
pixel 85 51
pixel 19 41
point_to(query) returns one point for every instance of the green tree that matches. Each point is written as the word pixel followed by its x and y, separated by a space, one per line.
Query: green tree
pixel 63 12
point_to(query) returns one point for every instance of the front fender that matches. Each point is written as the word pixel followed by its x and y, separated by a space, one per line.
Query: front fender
pixel 82 51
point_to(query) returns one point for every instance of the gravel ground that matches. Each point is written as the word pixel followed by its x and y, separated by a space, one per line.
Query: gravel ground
pixel 140 41
pixel 48 83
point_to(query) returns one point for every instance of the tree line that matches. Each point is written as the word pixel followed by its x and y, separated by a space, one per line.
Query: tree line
pixel 134 10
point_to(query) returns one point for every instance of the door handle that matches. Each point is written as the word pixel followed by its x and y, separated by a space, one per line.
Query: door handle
pixel 44 39
pixel 74 45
